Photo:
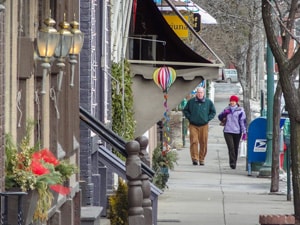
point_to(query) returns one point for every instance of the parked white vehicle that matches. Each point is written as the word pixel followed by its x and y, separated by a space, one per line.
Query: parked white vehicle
pixel 230 75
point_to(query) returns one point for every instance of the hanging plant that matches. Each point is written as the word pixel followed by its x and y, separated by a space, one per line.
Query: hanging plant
pixel 28 168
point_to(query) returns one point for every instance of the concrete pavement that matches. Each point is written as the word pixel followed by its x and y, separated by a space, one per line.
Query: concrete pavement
pixel 215 194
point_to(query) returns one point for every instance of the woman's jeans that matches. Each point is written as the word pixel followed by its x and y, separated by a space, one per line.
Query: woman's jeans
pixel 233 142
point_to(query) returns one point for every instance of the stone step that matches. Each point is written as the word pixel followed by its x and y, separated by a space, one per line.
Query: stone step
pixel 90 215
pixel 104 221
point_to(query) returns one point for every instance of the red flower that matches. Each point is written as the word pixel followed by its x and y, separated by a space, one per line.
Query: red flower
pixel 60 189
pixel 38 168
pixel 48 157
pixel 36 156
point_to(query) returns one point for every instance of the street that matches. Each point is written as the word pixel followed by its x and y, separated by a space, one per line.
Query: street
pixel 222 93
pixel 224 88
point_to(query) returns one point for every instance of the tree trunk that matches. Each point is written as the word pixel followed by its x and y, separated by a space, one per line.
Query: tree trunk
pixel 295 148
pixel 276 140
pixel 287 64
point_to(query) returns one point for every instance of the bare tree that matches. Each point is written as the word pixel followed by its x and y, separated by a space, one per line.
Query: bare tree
pixel 236 39
pixel 287 62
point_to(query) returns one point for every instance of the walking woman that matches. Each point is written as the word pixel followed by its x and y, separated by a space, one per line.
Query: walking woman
pixel 233 117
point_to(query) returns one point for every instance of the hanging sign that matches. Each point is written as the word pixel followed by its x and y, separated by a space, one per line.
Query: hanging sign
pixel 178 25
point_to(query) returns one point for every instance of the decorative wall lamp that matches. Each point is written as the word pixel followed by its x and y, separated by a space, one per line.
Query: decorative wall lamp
pixel 62 49
pixel 75 49
pixel 47 40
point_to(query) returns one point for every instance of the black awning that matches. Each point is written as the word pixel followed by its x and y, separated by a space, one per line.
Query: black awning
pixel 148 22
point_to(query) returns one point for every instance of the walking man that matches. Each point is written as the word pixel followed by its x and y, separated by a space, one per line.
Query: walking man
pixel 199 111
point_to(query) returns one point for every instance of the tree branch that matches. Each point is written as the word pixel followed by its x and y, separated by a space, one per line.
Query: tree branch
pixel 284 26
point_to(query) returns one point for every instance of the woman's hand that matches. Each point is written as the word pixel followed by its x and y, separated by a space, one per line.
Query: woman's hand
pixel 227 111
pixel 244 136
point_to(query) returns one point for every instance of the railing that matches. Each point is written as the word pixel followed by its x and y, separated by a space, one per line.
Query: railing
pixel 137 160
pixel 109 136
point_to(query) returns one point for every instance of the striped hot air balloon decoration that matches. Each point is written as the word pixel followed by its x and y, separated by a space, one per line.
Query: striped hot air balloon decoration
pixel 164 77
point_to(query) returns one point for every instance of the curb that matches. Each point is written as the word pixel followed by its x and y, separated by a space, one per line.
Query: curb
pixel 276 219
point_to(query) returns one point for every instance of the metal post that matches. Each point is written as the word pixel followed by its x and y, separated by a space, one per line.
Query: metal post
pixel 265 170
pixel 183 130
pixel 183 120
pixel 262 103
pixel 287 139
pixel 288 174
pixel 160 126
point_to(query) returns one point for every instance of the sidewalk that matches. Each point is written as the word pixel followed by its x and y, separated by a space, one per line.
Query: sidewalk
pixel 214 194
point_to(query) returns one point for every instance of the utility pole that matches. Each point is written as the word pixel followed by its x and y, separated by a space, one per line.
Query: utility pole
pixel 265 170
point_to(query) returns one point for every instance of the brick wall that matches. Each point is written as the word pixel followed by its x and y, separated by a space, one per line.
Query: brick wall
pixel 85 102
pixel 2 91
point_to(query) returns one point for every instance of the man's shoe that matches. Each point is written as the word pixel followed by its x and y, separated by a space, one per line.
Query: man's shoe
pixel 232 166
pixel 202 163
pixel 195 163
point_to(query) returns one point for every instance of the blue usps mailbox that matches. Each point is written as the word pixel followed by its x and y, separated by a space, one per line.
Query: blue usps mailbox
pixel 257 141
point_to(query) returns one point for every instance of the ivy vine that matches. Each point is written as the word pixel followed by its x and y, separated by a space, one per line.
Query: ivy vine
pixel 123 122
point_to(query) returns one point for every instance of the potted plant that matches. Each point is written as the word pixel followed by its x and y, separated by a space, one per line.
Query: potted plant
pixel 162 162
pixel 118 204
pixel 29 169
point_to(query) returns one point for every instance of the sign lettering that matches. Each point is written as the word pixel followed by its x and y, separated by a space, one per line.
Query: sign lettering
pixel 177 25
